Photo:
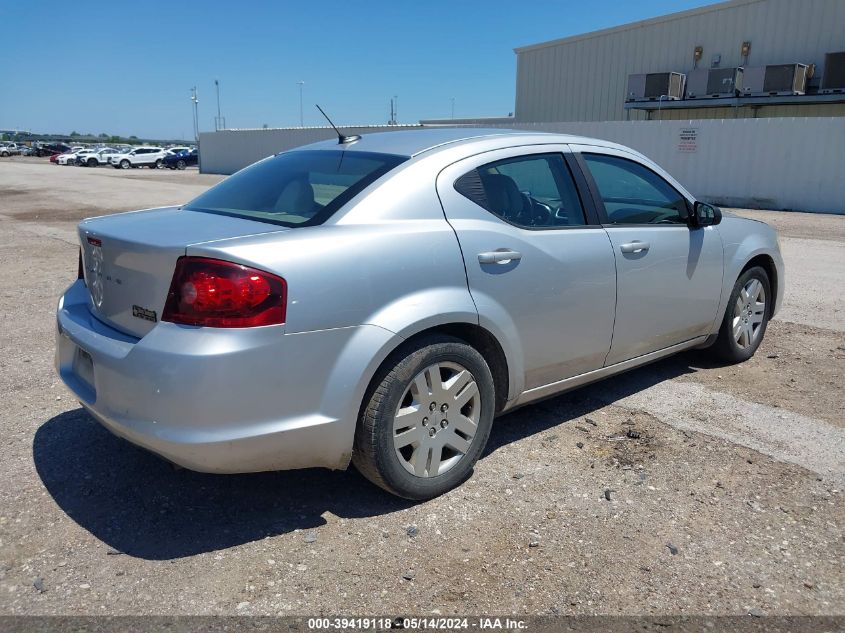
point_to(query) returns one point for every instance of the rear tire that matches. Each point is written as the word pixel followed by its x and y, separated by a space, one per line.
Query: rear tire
pixel 156 165
pixel 746 317
pixel 408 441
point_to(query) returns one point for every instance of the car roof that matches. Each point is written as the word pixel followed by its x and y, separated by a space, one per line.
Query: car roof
pixel 413 142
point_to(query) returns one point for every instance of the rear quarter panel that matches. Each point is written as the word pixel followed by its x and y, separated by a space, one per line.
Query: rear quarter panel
pixel 402 276
pixel 384 282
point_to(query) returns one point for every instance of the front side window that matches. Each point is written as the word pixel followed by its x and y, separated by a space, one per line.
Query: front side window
pixel 298 188
pixel 633 194
pixel 535 191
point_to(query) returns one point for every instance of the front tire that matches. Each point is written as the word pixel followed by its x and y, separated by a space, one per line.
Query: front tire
pixel 181 164
pixel 92 162
pixel 425 419
pixel 125 164
pixel 746 317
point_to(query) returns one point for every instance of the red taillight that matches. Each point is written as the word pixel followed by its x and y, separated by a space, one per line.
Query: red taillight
pixel 215 293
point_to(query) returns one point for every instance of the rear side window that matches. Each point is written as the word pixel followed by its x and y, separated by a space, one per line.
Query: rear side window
pixel 633 194
pixel 299 188
pixel 534 191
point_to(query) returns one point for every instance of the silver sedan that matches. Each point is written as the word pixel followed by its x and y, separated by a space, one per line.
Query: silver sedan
pixel 379 300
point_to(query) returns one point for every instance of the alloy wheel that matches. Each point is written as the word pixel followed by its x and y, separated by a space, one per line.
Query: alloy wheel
pixel 749 313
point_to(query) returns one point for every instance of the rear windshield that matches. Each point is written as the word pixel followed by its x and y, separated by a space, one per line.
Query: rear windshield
pixel 299 188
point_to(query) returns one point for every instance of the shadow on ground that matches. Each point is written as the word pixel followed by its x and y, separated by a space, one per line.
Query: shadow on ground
pixel 139 505
pixel 551 412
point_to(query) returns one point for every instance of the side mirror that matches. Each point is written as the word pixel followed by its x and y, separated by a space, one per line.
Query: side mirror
pixel 704 214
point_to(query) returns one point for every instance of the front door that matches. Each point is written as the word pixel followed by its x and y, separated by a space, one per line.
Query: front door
pixel 669 276
pixel 539 270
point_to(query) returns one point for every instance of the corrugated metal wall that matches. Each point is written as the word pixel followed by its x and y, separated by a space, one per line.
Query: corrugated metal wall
pixel 809 110
pixel 585 77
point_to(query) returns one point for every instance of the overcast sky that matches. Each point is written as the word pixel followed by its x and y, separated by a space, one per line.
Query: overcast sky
pixel 127 67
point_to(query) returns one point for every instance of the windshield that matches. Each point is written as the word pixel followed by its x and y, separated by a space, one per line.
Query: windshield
pixel 298 188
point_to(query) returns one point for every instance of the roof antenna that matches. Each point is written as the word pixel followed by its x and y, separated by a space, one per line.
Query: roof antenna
pixel 341 139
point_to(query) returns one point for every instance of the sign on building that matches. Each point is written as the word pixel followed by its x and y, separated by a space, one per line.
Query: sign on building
pixel 688 139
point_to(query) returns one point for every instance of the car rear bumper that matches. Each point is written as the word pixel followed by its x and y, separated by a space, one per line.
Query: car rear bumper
pixel 220 400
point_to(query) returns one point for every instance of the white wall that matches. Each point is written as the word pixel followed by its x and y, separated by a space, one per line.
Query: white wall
pixel 778 163
pixel 796 164
pixel 230 150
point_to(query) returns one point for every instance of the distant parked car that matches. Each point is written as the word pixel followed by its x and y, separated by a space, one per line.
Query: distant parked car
pixel 181 160
pixel 151 157
pixel 171 151
pixel 68 158
pixel 50 149
pixel 28 151
pixel 9 149
pixel 95 157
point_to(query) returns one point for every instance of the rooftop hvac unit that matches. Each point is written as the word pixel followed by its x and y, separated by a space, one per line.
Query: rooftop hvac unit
pixel 714 83
pixel 833 80
pixel 697 83
pixel 780 79
pixel 653 86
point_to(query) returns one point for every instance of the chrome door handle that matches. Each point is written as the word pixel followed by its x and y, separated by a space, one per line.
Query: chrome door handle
pixel 499 257
pixel 634 247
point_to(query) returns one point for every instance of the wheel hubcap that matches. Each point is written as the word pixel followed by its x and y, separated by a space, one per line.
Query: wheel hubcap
pixel 436 420
pixel 749 313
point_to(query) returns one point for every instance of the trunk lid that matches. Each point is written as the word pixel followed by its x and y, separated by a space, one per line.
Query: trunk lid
pixel 129 259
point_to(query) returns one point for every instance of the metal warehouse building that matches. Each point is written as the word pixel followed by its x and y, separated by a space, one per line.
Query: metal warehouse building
pixel 586 77
pixel 742 101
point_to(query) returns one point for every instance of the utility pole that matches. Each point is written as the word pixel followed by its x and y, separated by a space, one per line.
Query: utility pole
pixel 395 110
pixel 301 83
pixel 453 107
pixel 219 122
pixel 195 110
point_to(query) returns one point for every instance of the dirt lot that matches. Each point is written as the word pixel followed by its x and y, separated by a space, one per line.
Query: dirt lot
pixel 729 502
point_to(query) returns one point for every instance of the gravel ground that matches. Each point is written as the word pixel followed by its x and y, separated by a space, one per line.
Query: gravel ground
pixel 682 487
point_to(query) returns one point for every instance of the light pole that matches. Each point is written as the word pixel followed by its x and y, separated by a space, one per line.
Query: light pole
pixel 219 123
pixel 300 83
pixel 453 107
pixel 395 110
pixel 195 109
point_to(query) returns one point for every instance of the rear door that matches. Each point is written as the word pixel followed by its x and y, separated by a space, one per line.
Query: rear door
pixel 139 156
pixel 145 156
pixel 669 276
pixel 540 268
